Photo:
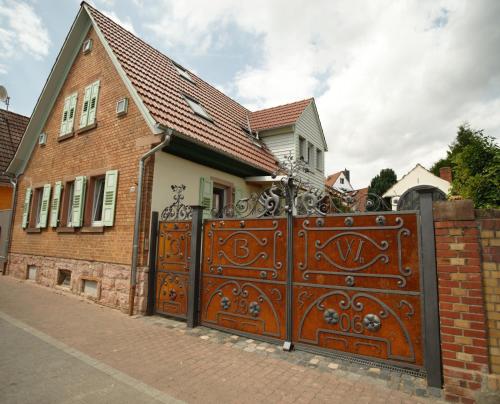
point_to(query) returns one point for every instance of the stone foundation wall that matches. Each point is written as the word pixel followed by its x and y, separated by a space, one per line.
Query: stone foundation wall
pixel 113 280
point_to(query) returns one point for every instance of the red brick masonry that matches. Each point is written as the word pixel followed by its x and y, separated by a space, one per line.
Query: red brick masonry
pixel 464 333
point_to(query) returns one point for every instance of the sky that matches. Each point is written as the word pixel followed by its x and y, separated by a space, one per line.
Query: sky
pixel 392 80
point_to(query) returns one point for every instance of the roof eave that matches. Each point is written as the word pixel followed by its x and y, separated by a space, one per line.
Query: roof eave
pixel 219 150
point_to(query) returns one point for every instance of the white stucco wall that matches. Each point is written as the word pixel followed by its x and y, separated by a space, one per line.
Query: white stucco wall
pixel 418 176
pixel 172 170
pixel 345 186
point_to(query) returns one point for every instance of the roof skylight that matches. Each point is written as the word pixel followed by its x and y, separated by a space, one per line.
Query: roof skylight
pixel 183 72
pixel 198 109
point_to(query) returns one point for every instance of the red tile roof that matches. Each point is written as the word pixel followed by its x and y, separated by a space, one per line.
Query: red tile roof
pixel 277 117
pixel 332 179
pixel 361 197
pixel 12 127
pixel 162 91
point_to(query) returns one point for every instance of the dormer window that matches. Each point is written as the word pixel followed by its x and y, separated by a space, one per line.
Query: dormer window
pixel 197 108
pixel 183 72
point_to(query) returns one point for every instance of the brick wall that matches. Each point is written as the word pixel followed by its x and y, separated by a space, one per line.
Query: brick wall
pixel 116 143
pixel 489 225
pixel 464 334
pixel 111 145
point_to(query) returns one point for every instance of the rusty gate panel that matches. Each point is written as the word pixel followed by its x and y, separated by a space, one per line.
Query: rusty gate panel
pixel 244 276
pixel 357 287
pixel 172 268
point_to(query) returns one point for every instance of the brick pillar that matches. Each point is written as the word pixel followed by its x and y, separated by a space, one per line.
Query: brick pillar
pixel 461 303
pixel 489 224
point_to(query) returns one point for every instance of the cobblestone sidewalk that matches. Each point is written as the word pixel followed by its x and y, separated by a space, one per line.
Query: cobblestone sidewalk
pixel 203 365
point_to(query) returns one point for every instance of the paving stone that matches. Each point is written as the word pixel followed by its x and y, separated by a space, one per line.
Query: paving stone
pixel 179 361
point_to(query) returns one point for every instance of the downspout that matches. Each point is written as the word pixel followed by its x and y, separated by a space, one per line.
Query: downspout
pixel 137 221
pixel 4 254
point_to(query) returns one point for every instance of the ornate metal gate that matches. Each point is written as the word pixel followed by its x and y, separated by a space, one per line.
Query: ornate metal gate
pixel 313 270
pixel 356 285
pixel 173 258
pixel 244 276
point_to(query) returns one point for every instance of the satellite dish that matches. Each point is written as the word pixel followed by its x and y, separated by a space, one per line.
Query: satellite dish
pixel 3 94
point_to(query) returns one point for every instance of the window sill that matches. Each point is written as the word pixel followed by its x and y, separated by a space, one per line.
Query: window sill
pixel 92 229
pixel 33 230
pixel 66 136
pixel 65 230
pixel 86 128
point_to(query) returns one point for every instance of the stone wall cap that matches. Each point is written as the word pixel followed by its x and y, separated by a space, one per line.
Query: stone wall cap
pixel 454 210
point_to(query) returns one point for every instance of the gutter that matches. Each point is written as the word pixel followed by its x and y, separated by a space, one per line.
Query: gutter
pixel 4 254
pixel 137 221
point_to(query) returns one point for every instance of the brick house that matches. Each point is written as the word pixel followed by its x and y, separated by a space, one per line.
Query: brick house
pixel 109 101
pixel 12 127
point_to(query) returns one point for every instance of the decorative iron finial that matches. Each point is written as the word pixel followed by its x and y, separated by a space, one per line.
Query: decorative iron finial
pixel 177 210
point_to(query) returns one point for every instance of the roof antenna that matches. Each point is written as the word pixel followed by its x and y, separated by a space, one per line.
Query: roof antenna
pixel 4 97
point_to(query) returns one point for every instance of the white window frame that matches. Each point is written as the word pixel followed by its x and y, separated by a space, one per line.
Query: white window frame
pixel 39 200
pixel 319 159
pixel 311 150
pixel 99 185
pixel 69 214
pixel 302 146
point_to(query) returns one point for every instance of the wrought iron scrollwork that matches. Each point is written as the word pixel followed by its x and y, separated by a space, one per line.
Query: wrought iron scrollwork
pixel 177 210
pixel 290 192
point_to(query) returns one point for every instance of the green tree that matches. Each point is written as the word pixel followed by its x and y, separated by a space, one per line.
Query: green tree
pixel 379 186
pixel 474 159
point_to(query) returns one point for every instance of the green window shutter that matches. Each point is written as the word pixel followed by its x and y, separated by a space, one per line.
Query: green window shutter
pixel 108 205
pixel 78 201
pixel 85 108
pixel 44 209
pixel 206 195
pixel 26 207
pixel 56 202
pixel 93 103
pixel 64 119
pixel 71 112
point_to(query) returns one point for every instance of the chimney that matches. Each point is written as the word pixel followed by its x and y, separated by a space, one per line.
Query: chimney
pixel 445 173
pixel 347 174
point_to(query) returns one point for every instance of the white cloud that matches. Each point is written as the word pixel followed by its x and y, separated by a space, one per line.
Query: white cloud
pixel 392 80
pixel 125 22
pixel 22 30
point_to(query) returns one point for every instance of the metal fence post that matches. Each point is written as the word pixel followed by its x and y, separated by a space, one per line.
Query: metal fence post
pixel 153 242
pixel 432 344
pixel 194 267
pixel 287 345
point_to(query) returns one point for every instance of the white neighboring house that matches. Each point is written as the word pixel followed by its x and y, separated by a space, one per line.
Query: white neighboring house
pixel 340 181
pixel 419 175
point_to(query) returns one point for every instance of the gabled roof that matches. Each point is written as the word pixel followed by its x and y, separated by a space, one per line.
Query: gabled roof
pixel 163 92
pixel 12 127
pixel 277 117
pixel 440 182
pixel 332 179
pixel 160 93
